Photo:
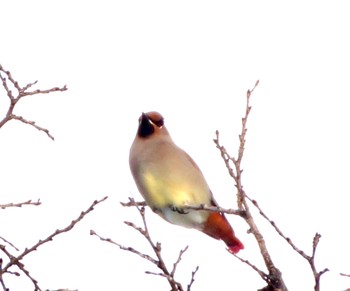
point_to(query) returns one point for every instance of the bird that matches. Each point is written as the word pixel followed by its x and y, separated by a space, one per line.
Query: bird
pixel 169 180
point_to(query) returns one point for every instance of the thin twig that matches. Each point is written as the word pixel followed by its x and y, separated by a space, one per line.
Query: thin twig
pixel 132 203
pixel 130 249
pixel 216 209
pixel 29 202
pixel 262 274
pixel 9 243
pixel 32 123
pixel 192 278
pixel 172 274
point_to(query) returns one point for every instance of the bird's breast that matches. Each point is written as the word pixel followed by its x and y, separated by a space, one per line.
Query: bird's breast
pixel 162 188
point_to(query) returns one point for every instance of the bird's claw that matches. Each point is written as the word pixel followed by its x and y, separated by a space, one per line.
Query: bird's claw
pixel 178 210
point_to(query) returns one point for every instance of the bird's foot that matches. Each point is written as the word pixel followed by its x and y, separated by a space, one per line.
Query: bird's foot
pixel 178 210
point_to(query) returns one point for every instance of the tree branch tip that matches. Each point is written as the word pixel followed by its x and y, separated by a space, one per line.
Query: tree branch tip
pixel 316 239
pixel 102 199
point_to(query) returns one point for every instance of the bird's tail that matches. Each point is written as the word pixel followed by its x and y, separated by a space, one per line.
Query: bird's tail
pixel 218 227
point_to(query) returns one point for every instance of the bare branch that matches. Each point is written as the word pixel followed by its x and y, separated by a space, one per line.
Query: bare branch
pixel 9 243
pixel 130 249
pixel 38 91
pixel 169 278
pixel 200 207
pixel 29 202
pixel 6 77
pixel 132 202
pixel 157 249
pixel 310 259
pixel 192 278
pixel 172 274
pixel 274 278
pixel 236 175
pixel 262 274
pixel 1 280
pixel 32 123
pixel 16 260
pixel 216 209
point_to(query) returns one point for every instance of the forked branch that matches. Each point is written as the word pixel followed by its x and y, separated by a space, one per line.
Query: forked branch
pixel 157 249
pixel 274 277
pixel 10 84
pixel 16 260
pixel 311 259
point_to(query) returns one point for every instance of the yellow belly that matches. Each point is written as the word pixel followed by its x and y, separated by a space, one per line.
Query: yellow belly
pixel 173 191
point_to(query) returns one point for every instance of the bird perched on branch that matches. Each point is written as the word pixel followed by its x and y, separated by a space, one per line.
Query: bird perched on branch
pixel 169 180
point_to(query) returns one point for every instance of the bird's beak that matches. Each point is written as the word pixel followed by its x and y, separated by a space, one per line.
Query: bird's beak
pixel 145 126
pixel 144 117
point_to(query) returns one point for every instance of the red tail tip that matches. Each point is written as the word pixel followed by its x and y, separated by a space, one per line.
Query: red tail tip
pixel 236 247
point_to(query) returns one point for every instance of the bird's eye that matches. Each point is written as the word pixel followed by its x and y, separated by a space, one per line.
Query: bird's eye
pixel 153 117
pixel 159 122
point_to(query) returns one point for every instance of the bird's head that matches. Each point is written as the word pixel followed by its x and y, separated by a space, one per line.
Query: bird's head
pixel 150 123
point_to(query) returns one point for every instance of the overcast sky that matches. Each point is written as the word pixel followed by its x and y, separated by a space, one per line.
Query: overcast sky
pixel 193 61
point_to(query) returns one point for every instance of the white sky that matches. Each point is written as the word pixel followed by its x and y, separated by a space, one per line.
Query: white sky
pixel 193 61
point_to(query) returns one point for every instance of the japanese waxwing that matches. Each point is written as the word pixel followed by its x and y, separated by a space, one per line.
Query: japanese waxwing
pixel 170 180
